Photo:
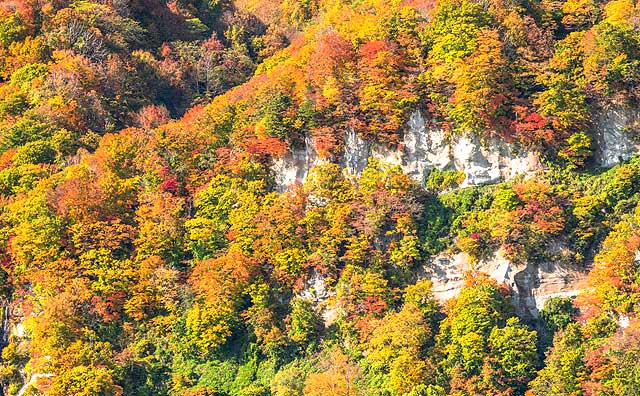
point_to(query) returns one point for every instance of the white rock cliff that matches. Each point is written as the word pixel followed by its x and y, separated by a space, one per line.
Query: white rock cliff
pixel 616 132
pixel 531 284
pixel 422 148
pixel 616 135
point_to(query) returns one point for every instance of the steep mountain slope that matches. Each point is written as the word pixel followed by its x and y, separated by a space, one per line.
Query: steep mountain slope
pixel 205 197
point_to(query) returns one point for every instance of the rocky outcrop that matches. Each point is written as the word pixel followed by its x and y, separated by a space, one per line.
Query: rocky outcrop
pixel 293 167
pixel 318 292
pixel 315 289
pixel 531 284
pixel 33 380
pixel 356 153
pixel 491 161
pixel 5 315
pixel 423 147
pixel 617 135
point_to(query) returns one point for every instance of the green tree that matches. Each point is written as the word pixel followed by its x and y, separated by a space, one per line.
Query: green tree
pixel 558 313
pixel 565 369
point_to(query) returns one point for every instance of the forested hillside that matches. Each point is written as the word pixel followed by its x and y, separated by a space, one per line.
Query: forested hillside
pixel 148 245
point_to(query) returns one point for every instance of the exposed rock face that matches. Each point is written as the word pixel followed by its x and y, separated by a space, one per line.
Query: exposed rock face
pixel 616 133
pixel 5 306
pixel 492 161
pixel 531 284
pixel 356 153
pixel 32 381
pixel 422 148
pixel 535 284
pixel 294 167
pixel 316 290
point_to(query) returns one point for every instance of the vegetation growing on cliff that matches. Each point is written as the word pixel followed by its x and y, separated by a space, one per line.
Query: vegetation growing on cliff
pixel 146 251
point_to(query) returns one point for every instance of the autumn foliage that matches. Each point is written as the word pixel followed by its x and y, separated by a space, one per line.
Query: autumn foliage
pixel 146 248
